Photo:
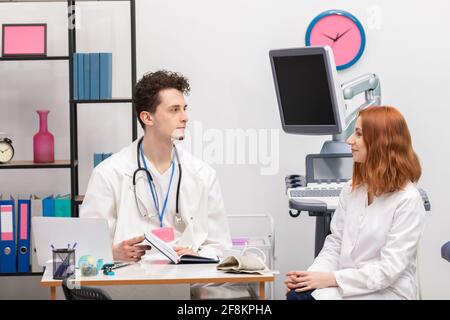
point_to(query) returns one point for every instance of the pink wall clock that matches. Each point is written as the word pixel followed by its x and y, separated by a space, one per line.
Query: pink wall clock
pixel 342 32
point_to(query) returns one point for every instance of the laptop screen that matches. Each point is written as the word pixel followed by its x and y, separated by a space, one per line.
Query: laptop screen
pixel 90 234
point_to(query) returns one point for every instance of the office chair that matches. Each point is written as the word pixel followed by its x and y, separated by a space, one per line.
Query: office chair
pixel 84 293
pixel 445 251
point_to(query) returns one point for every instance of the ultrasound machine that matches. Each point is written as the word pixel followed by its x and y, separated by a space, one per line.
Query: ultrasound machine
pixel 312 102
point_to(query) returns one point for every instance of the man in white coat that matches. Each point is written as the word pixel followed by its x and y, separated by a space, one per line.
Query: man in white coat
pixel 179 199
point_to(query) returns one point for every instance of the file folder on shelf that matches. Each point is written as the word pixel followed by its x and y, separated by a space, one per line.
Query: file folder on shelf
pixel 36 211
pixel 98 157
pixel 94 70
pixel 23 235
pixel 105 75
pixel 106 155
pixel 75 75
pixel 48 207
pixel 86 76
pixel 63 206
pixel 7 239
pixel 80 74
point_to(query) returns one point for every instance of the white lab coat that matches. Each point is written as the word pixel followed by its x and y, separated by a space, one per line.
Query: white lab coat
pixel 372 249
pixel 110 195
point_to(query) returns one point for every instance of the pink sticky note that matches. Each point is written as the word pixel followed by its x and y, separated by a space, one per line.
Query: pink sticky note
pixel 165 234
pixel 23 221
pixel 24 39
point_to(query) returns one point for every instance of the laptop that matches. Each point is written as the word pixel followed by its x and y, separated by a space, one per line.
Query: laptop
pixel 326 175
pixel 91 236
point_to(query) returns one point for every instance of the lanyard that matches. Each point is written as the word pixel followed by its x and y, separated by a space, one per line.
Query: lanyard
pixel 160 214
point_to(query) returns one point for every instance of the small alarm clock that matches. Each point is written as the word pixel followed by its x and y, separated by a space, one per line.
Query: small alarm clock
pixel 6 150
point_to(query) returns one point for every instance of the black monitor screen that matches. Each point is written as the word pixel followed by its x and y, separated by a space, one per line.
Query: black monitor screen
pixel 304 90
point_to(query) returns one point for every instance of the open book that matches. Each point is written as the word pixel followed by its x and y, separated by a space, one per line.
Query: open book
pixel 170 253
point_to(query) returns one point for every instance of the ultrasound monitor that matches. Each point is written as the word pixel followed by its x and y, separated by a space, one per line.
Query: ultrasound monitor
pixel 310 98
pixel 329 167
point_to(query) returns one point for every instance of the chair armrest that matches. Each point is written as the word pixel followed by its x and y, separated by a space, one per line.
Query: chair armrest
pixel 445 251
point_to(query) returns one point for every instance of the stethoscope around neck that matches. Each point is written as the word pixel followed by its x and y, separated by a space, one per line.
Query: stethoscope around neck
pixel 178 219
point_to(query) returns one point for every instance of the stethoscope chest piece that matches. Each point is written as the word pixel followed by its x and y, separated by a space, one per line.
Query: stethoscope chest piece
pixel 177 219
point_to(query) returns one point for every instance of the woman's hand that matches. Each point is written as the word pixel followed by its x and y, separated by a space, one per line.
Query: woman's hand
pixel 309 280
pixel 129 250
pixel 184 250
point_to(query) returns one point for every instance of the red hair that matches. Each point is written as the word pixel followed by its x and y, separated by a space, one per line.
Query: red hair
pixel 391 161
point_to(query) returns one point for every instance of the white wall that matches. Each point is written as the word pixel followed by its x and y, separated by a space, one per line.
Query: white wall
pixel 222 46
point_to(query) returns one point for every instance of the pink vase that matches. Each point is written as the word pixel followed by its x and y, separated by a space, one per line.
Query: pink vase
pixel 43 141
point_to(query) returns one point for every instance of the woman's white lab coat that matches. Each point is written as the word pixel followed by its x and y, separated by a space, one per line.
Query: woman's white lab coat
pixel 372 249
pixel 110 195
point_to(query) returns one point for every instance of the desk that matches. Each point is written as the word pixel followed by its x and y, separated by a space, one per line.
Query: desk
pixel 160 272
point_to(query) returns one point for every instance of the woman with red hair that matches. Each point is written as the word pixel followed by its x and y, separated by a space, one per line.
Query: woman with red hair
pixel 371 251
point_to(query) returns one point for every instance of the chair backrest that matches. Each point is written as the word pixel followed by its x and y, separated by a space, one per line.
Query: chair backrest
pixel 83 293
pixel 252 225
pixel 445 251
pixel 257 230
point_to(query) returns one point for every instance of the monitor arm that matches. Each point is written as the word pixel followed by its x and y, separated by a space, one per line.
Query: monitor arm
pixel 370 85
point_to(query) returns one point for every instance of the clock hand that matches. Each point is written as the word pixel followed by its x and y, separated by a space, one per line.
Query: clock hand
pixel 329 37
pixel 343 34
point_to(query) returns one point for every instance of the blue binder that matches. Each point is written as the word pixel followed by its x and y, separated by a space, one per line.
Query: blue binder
pixel 86 75
pixel 98 157
pixel 48 206
pixel 94 60
pixel 7 237
pixel 75 76
pixel 63 206
pixel 23 235
pixel 105 75
pixel 106 155
pixel 80 62
pixel 36 211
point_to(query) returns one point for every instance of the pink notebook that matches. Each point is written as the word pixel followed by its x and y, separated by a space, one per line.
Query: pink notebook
pixel 24 39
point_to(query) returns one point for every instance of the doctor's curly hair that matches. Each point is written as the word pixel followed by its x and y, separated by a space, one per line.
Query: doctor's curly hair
pixel 146 91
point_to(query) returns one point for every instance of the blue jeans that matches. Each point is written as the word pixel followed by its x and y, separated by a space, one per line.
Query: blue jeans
pixel 306 295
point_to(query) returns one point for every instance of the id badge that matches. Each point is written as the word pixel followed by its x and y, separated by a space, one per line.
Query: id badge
pixel 165 234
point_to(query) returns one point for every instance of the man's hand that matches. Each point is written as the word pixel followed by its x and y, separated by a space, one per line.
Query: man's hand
pixel 184 250
pixel 308 280
pixel 129 250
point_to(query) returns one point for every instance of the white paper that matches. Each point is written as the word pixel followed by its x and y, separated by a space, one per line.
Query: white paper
pixel 162 247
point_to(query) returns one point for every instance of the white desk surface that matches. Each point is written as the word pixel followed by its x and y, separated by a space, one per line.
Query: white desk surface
pixel 158 271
